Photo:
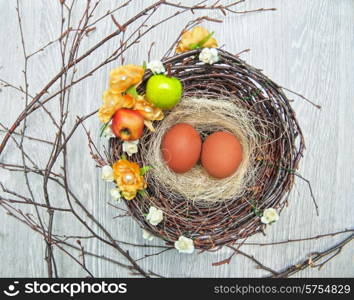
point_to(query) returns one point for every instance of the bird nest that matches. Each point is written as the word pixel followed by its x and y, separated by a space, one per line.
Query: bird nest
pixel 229 95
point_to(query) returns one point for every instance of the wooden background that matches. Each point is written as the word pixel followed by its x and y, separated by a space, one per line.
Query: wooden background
pixel 306 45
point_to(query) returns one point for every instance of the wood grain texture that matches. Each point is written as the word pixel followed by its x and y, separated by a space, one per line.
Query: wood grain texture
pixel 306 46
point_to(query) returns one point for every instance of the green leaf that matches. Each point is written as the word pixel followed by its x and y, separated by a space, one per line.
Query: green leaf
pixel 258 213
pixel 246 98
pixel 144 65
pixel 193 46
pixel 203 41
pixel 144 169
pixel 255 210
pixel 103 127
pixel 142 193
pixel 132 92
pixel 123 157
pixel 254 93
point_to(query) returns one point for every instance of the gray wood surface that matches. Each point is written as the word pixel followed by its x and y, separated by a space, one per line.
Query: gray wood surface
pixel 307 46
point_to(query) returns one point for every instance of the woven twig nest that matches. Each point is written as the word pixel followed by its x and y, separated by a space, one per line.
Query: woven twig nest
pixel 272 159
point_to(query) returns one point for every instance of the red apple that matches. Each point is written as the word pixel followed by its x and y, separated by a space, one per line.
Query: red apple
pixel 128 124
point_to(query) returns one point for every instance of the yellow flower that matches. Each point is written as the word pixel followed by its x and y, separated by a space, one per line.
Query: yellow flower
pixel 128 178
pixel 147 110
pixel 190 39
pixel 123 77
pixel 111 103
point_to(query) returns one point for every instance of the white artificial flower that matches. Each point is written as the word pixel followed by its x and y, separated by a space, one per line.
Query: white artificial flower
pixel 156 67
pixel 155 215
pixel 107 173
pixel 209 56
pixel 147 235
pixel 108 132
pixel 184 245
pixel 130 147
pixel 270 215
pixel 115 194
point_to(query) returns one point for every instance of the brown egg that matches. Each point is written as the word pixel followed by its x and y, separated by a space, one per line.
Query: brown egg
pixel 181 147
pixel 221 154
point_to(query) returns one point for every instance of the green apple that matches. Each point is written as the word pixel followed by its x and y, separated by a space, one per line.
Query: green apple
pixel 163 91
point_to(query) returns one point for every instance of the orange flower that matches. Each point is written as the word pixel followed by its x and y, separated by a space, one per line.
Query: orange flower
pixel 123 77
pixel 111 103
pixel 147 110
pixel 128 178
pixel 190 40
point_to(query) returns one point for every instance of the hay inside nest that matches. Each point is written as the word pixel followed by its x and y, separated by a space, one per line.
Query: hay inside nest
pixel 206 116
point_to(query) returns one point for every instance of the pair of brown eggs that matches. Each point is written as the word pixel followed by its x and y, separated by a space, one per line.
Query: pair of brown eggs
pixel 182 147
